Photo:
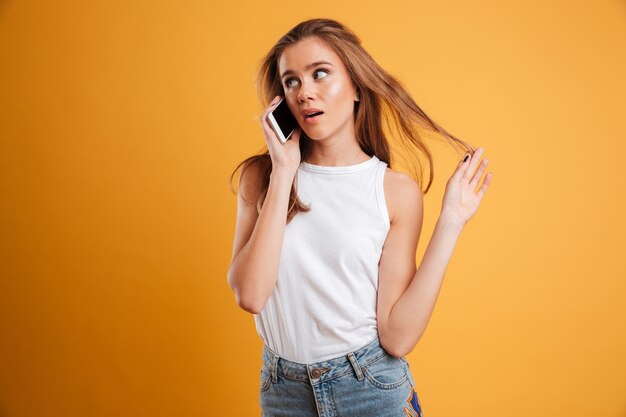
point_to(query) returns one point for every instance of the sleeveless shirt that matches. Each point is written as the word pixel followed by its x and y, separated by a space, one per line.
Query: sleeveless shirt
pixel 324 301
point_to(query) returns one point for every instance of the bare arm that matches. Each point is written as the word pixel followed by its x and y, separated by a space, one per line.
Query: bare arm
pixel 411 313
pixel 407 298
pixel 253 270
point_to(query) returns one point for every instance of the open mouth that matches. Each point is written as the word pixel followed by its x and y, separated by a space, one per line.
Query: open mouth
pixel 314 114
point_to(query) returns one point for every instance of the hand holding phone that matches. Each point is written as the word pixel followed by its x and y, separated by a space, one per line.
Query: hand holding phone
pixel 285 154
pixel 282 121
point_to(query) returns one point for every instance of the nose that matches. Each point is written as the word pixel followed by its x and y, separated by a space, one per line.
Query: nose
pixel 307 91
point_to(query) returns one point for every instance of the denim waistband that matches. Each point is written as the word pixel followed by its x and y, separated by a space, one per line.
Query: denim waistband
pixel 318 372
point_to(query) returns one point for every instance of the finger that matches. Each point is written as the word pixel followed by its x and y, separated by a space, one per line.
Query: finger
pixel 274 101
pixel 269 131
pixel 272 137
pixel 270 107
pixel 464 159
pixel 479 173
pixel 462 165
pixel 483 188
pixel 473 161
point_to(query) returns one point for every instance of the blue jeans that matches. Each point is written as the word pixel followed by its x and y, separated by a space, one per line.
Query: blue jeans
pixel 367 382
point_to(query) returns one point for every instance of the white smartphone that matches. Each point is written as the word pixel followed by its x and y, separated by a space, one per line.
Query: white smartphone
pixel 282 121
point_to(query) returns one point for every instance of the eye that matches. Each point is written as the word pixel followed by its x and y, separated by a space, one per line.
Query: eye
pixel 287 82
pixel 321 70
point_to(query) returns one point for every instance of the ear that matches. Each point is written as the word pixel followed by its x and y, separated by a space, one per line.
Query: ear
pixel 356 95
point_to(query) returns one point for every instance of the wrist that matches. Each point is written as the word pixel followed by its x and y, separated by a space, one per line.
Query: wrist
pixel 281 175
pixel 451 222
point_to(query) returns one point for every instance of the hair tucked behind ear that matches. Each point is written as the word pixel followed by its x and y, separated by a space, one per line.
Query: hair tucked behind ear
pixel 382 97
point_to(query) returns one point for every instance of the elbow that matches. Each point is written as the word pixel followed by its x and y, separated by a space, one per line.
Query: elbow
pixel 248 304
pixel 250 308
pixel 404 349
pixel 245 299
pixel 396 348
pixel 397 353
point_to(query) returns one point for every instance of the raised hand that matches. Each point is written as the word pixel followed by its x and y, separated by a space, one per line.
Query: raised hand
pixel 284 156
pixel 460 202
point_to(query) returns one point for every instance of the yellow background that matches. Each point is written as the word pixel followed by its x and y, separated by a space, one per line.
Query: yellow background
pixel 120 123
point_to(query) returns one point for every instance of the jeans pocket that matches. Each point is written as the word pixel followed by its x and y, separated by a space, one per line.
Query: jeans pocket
pixel 266 379
pixel 388 372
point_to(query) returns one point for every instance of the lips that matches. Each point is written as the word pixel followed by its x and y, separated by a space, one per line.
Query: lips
pixel 311 112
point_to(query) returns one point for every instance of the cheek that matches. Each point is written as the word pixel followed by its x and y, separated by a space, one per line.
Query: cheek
pixel 335 90
pixel 292 103
pixel 339 95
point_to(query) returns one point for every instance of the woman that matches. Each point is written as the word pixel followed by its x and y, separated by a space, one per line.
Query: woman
pixel 326 233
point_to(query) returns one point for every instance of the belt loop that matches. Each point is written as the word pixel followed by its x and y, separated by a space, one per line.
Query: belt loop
pixel 355 365
pixel 274 366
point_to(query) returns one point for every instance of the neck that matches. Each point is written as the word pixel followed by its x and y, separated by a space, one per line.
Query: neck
pixel 338 160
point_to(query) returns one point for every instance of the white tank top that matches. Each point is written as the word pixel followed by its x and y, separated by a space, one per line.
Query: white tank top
pixel 324 302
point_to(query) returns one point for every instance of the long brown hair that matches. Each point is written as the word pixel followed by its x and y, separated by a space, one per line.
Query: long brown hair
pixel 382 97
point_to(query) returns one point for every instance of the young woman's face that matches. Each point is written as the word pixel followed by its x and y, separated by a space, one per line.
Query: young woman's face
pixel 309 83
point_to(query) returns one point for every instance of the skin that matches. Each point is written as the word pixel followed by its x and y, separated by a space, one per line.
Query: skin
pixel 326 87
pixel 406 294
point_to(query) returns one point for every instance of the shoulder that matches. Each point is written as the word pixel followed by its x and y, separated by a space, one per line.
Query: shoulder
pixel 402 194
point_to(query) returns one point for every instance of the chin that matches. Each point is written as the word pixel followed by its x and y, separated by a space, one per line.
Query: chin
pixel 319 133
pixel 313 136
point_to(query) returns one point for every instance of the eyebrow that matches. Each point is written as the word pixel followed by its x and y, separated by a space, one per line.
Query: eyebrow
pixel 314 64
